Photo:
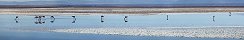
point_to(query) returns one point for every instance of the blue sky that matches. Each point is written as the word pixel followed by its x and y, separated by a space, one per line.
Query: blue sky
pixel 9 2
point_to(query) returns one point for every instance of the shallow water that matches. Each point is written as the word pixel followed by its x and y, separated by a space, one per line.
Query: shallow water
pixel 27 27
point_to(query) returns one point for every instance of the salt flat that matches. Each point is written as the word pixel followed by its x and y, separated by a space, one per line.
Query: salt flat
pixel 209 32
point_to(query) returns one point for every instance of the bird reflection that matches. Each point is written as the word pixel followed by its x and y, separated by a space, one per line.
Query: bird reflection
pixel 213 18
pixel 16 21
pixel 52 21
pixel 126 19
pixel 230 14
pixel 73 21
pixel 102 18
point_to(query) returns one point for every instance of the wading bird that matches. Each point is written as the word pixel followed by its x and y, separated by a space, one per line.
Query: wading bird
pixel 126 19
pixel 102 18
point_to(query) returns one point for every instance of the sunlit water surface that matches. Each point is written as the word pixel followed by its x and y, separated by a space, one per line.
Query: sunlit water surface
pixel 11 28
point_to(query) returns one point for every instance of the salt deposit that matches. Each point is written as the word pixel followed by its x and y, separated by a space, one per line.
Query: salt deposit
pixel 214 32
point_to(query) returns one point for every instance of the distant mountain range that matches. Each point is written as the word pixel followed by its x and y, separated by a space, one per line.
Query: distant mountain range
pixel 54 4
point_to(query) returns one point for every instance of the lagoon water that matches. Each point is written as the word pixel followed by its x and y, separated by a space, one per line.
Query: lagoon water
pixel 26 27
